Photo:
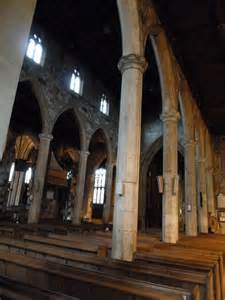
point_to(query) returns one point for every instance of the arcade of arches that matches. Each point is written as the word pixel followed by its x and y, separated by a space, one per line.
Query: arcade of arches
pixel 151 165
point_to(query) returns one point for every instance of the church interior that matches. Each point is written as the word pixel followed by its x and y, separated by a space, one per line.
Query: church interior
pixel 112 150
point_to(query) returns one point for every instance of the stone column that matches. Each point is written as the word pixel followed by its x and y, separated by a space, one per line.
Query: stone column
pixel 210 177
pixel 16 186
pixel 13 189
pixel 39 177
pixel 191 223
pixel 19 188
pixel 170 222
pixel 108 195
pixel 78 201
pixel 16 17
pixel 128 158
pixel 201 182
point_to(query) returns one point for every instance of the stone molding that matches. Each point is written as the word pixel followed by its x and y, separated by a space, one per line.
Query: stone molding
pixel 170 117
pixel 132 61
pixel 201 160
pixel 84 153
pixel 45 136
pixel 189 143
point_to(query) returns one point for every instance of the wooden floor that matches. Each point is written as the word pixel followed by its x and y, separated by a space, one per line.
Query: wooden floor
pixel 73 262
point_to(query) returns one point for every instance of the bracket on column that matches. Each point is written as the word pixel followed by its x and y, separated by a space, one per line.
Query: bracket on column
pixel 160 182
pixel 175 185
pixel 120 189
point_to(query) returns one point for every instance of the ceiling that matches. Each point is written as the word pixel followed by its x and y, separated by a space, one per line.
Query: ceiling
pixel 26 115
pixel 89 29
pixel 195 28
pixel 196 31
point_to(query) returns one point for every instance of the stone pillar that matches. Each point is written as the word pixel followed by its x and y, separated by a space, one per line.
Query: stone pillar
pixel 78 201
pixel 16 17
pixel 39 177
pixel 201 182
pixel 128 158
pixel 108 195
pixel 210 177
pixel 191 223
pixel 13 189
pixel 170 222
pixel 16 186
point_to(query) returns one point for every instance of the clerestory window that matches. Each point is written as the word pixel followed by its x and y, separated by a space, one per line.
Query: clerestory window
pixel 76 82
pixel 35 49
pixel 99 186
pixel 28 175
pixel 104 105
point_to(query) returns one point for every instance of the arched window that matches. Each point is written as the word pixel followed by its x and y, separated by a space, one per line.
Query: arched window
pixel 76 83
pixel 104 105
pixel 35 49
pixel 28 175
pixel 11 172
pixel 99 187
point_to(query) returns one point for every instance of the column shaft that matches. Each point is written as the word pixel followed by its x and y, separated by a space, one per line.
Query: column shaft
pixel 170 222
pixel 77 206
pixel 128 159
pixel 202 195
pixel 39 178
pixel 108 197
pixel 210 179
pixel 19 188
pixel 191 223
pixel 16 18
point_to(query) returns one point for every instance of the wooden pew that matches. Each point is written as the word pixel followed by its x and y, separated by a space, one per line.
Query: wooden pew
pixel 72 246
pixel 154 273
pixel 188 254
pixel 10 289
pixel 77 283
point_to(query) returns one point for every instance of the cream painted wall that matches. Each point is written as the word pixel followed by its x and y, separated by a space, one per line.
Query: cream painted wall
pixel 16 17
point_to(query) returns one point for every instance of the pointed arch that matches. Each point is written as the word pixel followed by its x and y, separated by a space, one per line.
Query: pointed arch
pixel 79 121
pixel 130 27
pixel 146 161
pixel 41 100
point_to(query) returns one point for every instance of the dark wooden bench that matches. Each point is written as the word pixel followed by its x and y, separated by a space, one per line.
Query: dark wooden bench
pixel 85 284
pixel 154 273
pixel 10 289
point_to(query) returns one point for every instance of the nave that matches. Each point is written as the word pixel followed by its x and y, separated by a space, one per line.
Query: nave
pixel 73 262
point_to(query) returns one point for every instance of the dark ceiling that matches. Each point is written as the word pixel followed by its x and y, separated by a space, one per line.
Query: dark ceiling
pixel 26 115
pixel 89 29
pixel 197 33
pixel 196 30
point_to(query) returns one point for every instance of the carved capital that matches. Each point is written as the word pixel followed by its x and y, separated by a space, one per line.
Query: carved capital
pixel 84 153
pixel 155 29
pixel 190 143
pixel 170 117
pixel 201 160
pixel 132 61
pixel 46 136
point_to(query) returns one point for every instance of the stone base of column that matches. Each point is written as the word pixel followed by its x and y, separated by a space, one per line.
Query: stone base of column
pixel 124 239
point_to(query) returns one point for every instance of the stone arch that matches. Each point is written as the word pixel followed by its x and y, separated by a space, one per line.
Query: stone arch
pixel 108 142
pixel 187 110
pixel 167 72
pixel 130 27
pixel 99 153
pixel 80 122
pixel 146 161
pixel 39 94
pixel 166 63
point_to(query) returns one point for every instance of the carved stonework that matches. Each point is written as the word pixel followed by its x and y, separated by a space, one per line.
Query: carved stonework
pixel 149 19
pixel 170 117
pixel 132 61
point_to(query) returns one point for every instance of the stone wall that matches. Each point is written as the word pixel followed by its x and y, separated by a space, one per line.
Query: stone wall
pixel 51 85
